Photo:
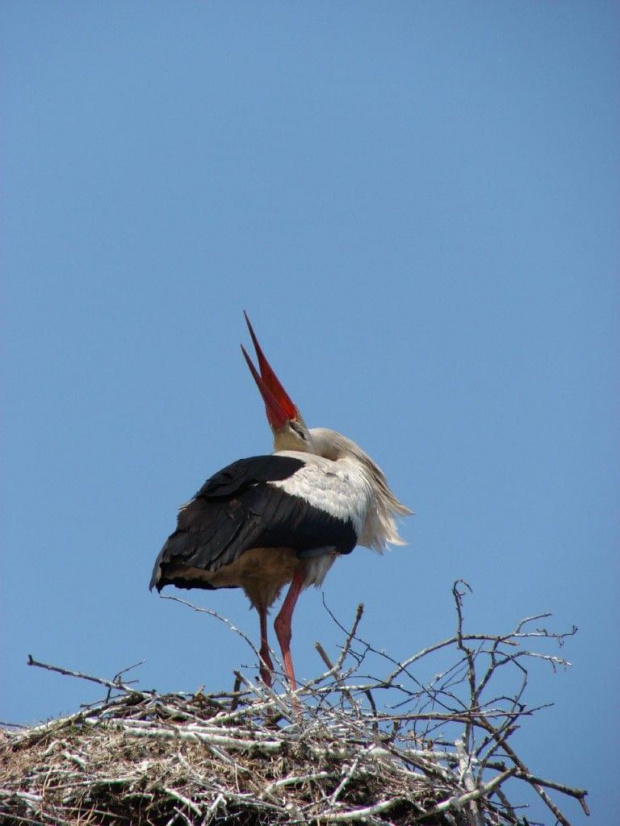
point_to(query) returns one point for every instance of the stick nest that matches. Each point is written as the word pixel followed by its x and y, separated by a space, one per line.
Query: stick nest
pixel 348 748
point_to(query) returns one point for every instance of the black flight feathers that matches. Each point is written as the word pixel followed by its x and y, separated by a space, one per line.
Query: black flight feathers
pixel 244 473
pixel 236 510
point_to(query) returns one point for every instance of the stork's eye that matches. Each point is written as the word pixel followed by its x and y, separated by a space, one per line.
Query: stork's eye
pixel 299 431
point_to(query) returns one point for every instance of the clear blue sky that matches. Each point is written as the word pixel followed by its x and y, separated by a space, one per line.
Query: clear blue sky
pixel 418 204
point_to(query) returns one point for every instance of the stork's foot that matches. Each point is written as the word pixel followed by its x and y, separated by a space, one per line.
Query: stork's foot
pixel 283 633
pixel 282 626
pixel 266 663
pixel 266 667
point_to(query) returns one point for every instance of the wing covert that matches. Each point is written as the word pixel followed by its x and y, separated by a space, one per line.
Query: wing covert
pixel 245 506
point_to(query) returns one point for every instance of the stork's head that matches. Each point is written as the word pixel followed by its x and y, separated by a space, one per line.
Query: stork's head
pixel 289 429
pixel 291 433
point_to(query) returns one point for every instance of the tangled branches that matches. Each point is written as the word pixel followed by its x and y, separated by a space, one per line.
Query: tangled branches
pixel 354 748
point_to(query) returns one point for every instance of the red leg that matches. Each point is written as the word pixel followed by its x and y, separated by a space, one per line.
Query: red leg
pixel 282 625
pixel 266 664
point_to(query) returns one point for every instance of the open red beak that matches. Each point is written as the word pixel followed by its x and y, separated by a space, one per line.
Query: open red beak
pixel 280 409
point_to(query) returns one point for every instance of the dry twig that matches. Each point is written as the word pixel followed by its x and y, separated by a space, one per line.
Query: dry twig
pixel 435 751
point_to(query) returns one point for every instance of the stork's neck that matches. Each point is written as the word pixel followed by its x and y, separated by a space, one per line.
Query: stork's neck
pixel 380 524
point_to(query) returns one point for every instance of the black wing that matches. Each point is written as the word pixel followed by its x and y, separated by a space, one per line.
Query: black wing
pixel 237 509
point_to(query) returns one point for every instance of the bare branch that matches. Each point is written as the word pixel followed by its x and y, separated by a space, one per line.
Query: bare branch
pixel 373 739
pixel 111 684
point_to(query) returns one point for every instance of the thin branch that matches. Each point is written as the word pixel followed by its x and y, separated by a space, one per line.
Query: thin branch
pixel 111 684
pixel 211 613
pixel 380 748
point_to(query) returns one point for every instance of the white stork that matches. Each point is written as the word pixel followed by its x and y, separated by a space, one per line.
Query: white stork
pixel 267 521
